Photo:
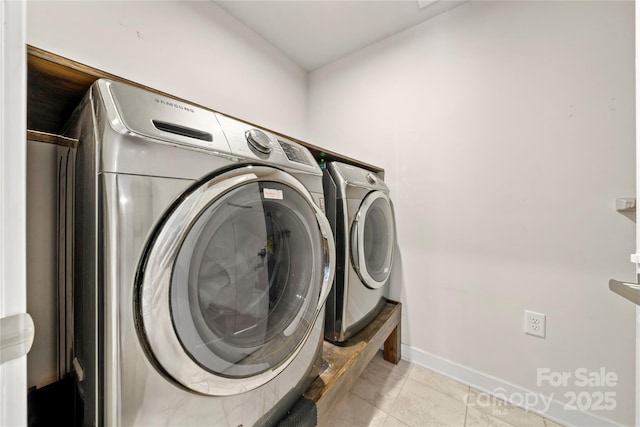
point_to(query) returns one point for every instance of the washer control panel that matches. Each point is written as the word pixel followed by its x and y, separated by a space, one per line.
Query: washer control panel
pixel 258 140
pixel 295 153
pixel 250 142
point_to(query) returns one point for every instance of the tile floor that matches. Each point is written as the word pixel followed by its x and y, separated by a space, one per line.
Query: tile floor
pixel 388 395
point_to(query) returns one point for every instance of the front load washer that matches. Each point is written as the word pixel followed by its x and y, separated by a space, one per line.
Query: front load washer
pixel 361 215
pixel 202 262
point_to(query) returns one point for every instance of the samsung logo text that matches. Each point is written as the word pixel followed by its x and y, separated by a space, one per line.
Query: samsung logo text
pixel 174 105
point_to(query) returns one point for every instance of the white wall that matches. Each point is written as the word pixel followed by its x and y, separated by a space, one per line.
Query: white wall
pixel 191 49
pixel 506 130
pixel 42 293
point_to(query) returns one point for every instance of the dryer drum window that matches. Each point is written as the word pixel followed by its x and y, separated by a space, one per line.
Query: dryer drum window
pixel 378 240
pixel 373 240
pixel 245 287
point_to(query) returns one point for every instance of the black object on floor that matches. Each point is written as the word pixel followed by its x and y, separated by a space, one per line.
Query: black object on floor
pixel 303 414
pixel 52 404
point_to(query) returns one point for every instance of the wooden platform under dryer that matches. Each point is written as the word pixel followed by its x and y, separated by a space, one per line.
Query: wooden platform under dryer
pixel 347 361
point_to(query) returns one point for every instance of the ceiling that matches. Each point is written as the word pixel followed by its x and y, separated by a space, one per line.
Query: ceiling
pixel 314 33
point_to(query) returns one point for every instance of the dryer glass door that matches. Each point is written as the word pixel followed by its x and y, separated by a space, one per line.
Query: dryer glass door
pixel 245 285
pixel 373 240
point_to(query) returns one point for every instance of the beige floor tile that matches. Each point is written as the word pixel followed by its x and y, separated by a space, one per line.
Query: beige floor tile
pixel 355 412
pixel 388 395
pixel 420 405
pixel 477 418
pixel 442 383
pixel 393 422
pixel 379 385
pixel 503 410
pixel 403 367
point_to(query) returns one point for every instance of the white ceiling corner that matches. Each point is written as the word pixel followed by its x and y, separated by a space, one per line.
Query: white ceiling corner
pixel 314 33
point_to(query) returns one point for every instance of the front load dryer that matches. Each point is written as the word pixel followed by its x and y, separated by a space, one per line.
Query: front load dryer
pixel 361 216
pixel 202 262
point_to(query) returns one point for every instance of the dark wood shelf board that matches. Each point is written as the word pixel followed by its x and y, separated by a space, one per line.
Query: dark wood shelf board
pixel 346 362
pixel 56 85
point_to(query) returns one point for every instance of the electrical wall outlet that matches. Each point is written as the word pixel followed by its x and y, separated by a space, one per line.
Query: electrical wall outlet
pixel 535 323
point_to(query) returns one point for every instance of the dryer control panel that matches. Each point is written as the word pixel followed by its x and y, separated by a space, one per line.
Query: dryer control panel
pixel 353 181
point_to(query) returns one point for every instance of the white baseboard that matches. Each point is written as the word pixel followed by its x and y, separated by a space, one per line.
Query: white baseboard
pixel 487 383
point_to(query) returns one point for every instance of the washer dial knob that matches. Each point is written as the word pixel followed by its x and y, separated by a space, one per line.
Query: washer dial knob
pixel 259 140
pixel 371 178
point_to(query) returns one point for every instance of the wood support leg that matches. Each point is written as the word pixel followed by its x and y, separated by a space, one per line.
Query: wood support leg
pixel 392 346
pixel 346 362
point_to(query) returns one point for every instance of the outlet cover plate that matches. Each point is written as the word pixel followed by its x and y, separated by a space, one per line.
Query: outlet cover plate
pixel 535 323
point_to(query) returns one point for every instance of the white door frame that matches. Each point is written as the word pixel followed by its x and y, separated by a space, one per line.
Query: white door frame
pixel 637 63
pixel 13 125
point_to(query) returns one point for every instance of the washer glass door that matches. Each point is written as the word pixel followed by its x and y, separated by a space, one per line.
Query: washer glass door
pixel 373 240
pixel 243 284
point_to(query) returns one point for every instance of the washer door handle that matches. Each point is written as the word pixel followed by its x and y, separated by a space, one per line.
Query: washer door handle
pixel 355 254
pixel 329 249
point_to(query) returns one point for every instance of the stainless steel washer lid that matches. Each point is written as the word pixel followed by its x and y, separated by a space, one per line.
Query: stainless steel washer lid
pixel 139 111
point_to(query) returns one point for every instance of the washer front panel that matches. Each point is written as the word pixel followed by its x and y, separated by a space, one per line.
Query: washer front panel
pixel 233 281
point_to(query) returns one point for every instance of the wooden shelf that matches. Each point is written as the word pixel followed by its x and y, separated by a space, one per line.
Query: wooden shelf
pixel 49 138
pixel 346 362
pixel 56 85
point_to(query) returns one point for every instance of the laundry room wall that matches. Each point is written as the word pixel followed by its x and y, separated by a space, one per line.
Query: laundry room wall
pixel 193 49
pixel 506 130
pixel 42 293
